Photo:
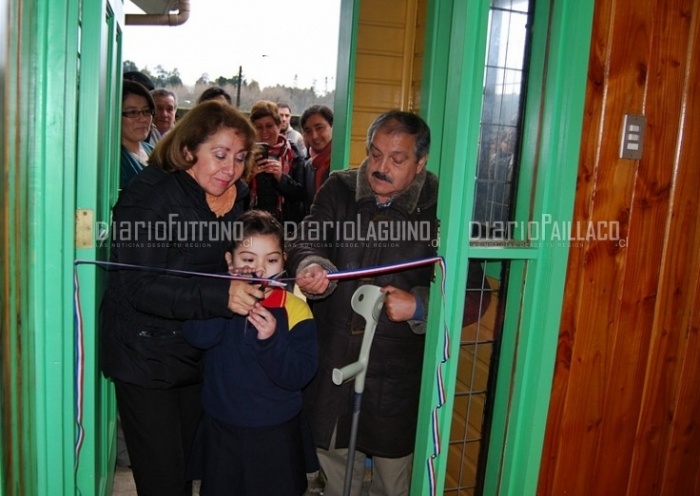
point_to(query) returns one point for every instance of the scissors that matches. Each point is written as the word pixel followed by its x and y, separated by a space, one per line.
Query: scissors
pixel 273 281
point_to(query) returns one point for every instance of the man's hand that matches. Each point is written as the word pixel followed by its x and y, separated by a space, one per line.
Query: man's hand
pixel 313 279
pixel 400 305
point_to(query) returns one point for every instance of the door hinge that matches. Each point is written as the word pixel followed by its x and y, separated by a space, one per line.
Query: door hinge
pixel 84 231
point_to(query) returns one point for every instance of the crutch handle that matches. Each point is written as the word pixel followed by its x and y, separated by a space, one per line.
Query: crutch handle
pixel 347 372
pixel 367 300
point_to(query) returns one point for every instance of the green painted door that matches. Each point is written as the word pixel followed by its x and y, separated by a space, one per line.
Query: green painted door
pixel 61 74
pixel 96 188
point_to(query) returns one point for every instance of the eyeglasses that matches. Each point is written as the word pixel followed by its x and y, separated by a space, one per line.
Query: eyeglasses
pixel 133 114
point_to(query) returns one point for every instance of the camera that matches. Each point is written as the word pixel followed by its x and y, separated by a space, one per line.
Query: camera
pixel 263 150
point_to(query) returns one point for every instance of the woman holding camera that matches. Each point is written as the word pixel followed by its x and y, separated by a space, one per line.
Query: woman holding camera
pixel 277 177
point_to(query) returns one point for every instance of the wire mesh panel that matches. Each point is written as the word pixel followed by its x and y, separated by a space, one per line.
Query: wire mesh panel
pixel 477 357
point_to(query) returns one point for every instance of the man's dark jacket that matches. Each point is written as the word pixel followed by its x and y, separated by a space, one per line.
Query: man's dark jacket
pixel 346 206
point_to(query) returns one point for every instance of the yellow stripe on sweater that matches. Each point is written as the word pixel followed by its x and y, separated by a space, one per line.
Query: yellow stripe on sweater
pixel 297 310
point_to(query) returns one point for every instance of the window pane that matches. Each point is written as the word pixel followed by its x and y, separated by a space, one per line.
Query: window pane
pixel 501 117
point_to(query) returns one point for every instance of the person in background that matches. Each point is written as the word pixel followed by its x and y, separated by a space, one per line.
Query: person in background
pixel 391 188
pixel 138 108
pixel 176 215
pixel 134 152
pixel 141 78
pixel 286 128
pixel 249 439
pixel 166 109
pixel 317 125
pixel 214 93
pixel 276 181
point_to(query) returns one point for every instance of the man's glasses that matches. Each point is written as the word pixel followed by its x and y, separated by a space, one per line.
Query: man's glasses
pixel 133 114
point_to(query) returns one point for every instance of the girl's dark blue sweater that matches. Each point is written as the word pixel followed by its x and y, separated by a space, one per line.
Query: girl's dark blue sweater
pixel 257 383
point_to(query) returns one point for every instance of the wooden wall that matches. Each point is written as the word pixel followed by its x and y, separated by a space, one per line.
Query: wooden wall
pixel 625 409
pixel 388 64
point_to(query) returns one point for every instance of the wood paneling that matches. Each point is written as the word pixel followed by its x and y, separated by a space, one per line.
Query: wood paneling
pixel 388 63
pixel 384 38
pixel 626 392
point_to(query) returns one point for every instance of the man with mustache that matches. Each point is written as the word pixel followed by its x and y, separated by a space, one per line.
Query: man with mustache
pixel 382 213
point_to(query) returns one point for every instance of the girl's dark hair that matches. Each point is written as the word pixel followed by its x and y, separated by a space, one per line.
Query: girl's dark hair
pixel 213 92
pixel 195 127
pixel 322 110
pixel 259 223
pixel 134 88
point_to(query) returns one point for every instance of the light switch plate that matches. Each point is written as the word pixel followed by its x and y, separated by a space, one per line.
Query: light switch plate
pixel 632 141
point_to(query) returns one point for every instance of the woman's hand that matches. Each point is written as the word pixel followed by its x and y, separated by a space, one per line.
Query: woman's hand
pixel 263 321
pixel 268 166
pixel 400 305
pixel 313 279
pixel 243 296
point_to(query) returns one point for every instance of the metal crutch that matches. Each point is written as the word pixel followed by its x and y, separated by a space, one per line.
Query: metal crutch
pixel 366 301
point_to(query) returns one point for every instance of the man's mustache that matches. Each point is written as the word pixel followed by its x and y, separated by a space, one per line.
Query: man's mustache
pixel 382 177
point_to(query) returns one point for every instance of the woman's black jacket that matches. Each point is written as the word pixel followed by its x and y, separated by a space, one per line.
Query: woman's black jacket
pixel 162 221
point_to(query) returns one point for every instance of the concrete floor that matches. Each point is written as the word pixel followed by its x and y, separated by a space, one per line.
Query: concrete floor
pixel 124 483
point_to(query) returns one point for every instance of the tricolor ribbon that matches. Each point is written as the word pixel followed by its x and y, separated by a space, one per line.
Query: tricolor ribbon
pixel 79 369
pixel 441 395
pixel 383 269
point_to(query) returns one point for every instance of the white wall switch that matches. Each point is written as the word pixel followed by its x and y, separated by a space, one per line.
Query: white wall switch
pixel 632 136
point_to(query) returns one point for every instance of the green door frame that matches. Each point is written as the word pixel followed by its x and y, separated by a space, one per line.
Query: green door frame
pixel 41 76
pixel 56 63
pixel 451 101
